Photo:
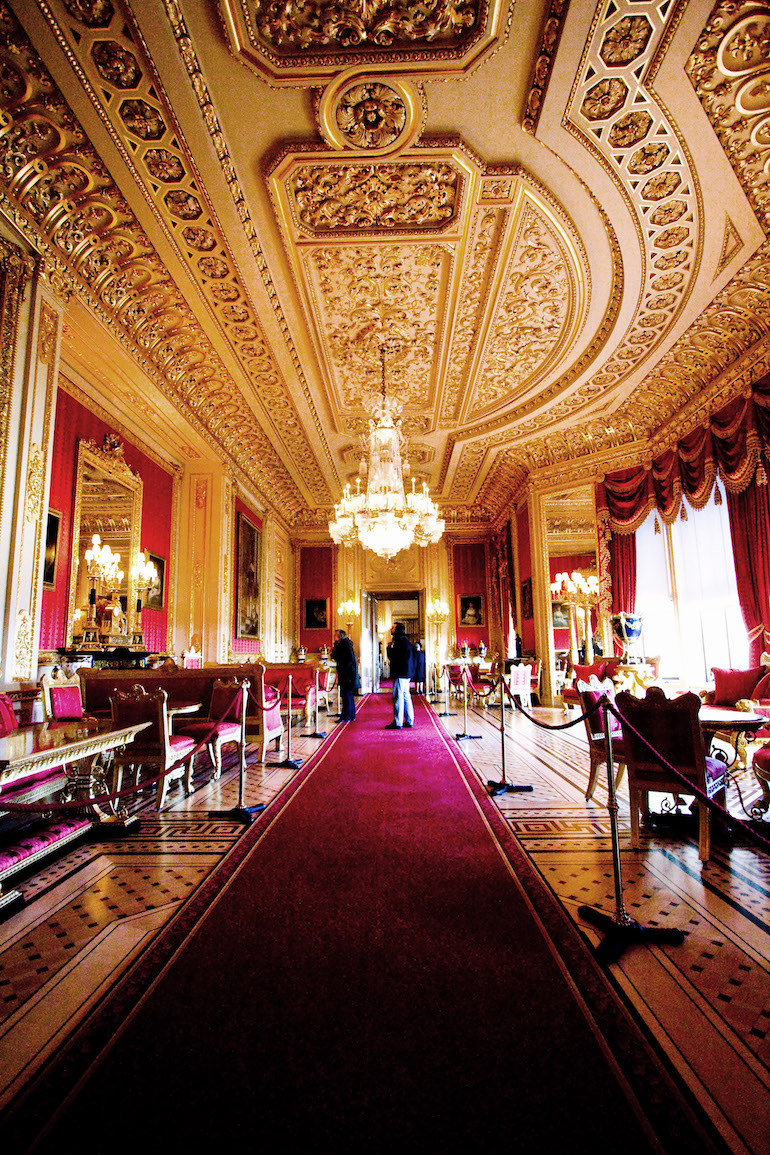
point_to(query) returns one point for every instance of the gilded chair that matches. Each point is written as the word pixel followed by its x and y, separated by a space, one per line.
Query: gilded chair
pixel 672 728
pixel 62 697
pixel 170 755
pixel 590 693
pixel 226 722
pixel 520 685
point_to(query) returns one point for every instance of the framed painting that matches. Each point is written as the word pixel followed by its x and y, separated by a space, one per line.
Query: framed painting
pixel 316 613
pixel 560 615
pixel 156 594
pixel 51 549
pixel 526 599
pixel 471 610
pixel 247 585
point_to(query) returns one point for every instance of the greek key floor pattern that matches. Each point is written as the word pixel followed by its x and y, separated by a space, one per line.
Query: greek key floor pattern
pixel 89 913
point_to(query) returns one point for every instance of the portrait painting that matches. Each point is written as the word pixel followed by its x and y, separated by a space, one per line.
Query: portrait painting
pixel 471 610
pixel 316 613
pixel 560 615
pixel 247 586
pixel 526 599
pixel 156 594
pixel 51 549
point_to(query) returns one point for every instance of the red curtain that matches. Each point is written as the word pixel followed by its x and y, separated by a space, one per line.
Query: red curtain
pixel 623 572
pixel 750 532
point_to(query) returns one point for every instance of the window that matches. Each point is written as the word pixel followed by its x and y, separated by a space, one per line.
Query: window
pixel 688 596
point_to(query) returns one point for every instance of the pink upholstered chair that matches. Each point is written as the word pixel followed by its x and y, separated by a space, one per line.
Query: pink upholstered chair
pixel 8 719
pixel 672 728
pixel 155 746
pixel 62 697
pixel 227 716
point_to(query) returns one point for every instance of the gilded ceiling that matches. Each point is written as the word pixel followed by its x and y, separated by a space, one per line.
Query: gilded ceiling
pixel 552 215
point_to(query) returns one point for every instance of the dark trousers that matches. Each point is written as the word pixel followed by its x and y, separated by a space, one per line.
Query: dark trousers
pixel 348 713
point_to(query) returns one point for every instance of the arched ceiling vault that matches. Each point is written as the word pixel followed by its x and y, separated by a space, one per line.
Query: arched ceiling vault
pixel 553 215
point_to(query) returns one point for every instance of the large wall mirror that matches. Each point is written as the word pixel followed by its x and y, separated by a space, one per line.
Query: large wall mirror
pixel 108 503
pixel 571 537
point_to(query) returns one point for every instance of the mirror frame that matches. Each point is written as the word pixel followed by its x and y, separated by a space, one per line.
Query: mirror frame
pixel 109 461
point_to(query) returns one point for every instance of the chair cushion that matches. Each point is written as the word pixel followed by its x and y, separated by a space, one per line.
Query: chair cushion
pixel 762 689
pixel 730 685
pixel 180 746
pixel 762 759
pixel 583 673
pixel 66 702
pixel 591 691
pixel 225 731
pixel 715 774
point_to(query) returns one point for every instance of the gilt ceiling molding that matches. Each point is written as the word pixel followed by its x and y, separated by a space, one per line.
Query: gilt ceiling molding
pixel 57 190
pixel 140 119
pixel 304 43
pixel 616 115
pixel 541 74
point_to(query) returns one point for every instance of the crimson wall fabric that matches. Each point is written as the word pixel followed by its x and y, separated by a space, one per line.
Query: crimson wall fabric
pixel 623 572
pixel 527 623
pixel 243 645
pixel 316 577
pixel 470 582
pixel 73 422
pixel 750 532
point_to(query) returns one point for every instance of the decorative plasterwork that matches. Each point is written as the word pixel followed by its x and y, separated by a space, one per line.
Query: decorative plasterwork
pixel 304 43
pixel 541 73
pixel 57 190
pixel 482 288
pixel 374 115
pixel 106 50
pixel 616 114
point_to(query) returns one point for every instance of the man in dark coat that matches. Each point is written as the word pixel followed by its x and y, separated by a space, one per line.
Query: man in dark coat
pixel 419 668
pixel 344 656
pixel 402 672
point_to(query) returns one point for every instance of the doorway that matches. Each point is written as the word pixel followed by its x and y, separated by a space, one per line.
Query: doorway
pixel 396 606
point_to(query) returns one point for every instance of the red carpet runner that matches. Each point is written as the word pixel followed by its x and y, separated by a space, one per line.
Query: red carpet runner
pixel 370 977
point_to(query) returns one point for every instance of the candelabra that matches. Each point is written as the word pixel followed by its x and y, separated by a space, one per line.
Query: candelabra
pixel 580 593
pixel 348 611
pixel 437 612
pixel 103 568
pixel 145 575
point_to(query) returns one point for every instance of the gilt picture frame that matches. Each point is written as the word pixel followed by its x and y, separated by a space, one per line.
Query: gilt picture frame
pixel 247 587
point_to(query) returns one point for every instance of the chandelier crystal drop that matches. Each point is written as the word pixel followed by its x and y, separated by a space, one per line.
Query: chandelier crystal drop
pixel 384 517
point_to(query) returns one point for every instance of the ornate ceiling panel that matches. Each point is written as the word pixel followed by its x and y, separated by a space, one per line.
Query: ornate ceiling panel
pixel 256 197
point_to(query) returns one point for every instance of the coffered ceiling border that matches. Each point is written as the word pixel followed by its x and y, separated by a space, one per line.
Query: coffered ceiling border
pixel 139 116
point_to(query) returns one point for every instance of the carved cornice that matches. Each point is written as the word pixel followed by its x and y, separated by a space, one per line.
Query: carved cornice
pixel 549 42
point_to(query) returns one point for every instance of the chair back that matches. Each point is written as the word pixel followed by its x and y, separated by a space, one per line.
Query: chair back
pixel 131 707
pixel 8 719
pixel 519 679
pixel 228 699
pixel 590 693
pixel 671 727
pixel 62 696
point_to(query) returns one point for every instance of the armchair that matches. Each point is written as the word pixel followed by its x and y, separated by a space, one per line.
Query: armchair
pixel 590 693
pixel 170 754
pixel 226 721
pixel 672 728
pixel 62 697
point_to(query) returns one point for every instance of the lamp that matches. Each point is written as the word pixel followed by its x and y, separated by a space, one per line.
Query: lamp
pixel 145 574
pixel 347 611
pixel 385 518
pixel 580 593
pixel 437 612
pixel 103 568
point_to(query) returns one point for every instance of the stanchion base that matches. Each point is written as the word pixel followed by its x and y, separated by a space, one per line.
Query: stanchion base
pixel 446 714
pixel 317 734
pixel 496 788
pixel 290 763
pixel 245 814
pixel 620 935
pixel 466 737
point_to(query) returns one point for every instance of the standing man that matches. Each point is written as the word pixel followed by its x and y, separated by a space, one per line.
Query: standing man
pixel 402 672
pixel 344 657
pixel 419 668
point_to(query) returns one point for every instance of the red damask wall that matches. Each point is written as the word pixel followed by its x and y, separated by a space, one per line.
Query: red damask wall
pixel 243 645
pixel 74 422
pixel 316 574
pixel 527 623
pixel 470 581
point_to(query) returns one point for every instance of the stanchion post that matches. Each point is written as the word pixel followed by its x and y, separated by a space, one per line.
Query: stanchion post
pixel 316 733
pixel 504 787
pixel 465 736
pixel 289 762
pixel 447 713
pixel 621 930
pixel 242 812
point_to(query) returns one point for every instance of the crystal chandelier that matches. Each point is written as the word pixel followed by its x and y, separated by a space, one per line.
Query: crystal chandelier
pixel 385 518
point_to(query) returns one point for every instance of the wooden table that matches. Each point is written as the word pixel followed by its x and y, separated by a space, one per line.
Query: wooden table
pixel 77 747
pixel 738 725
